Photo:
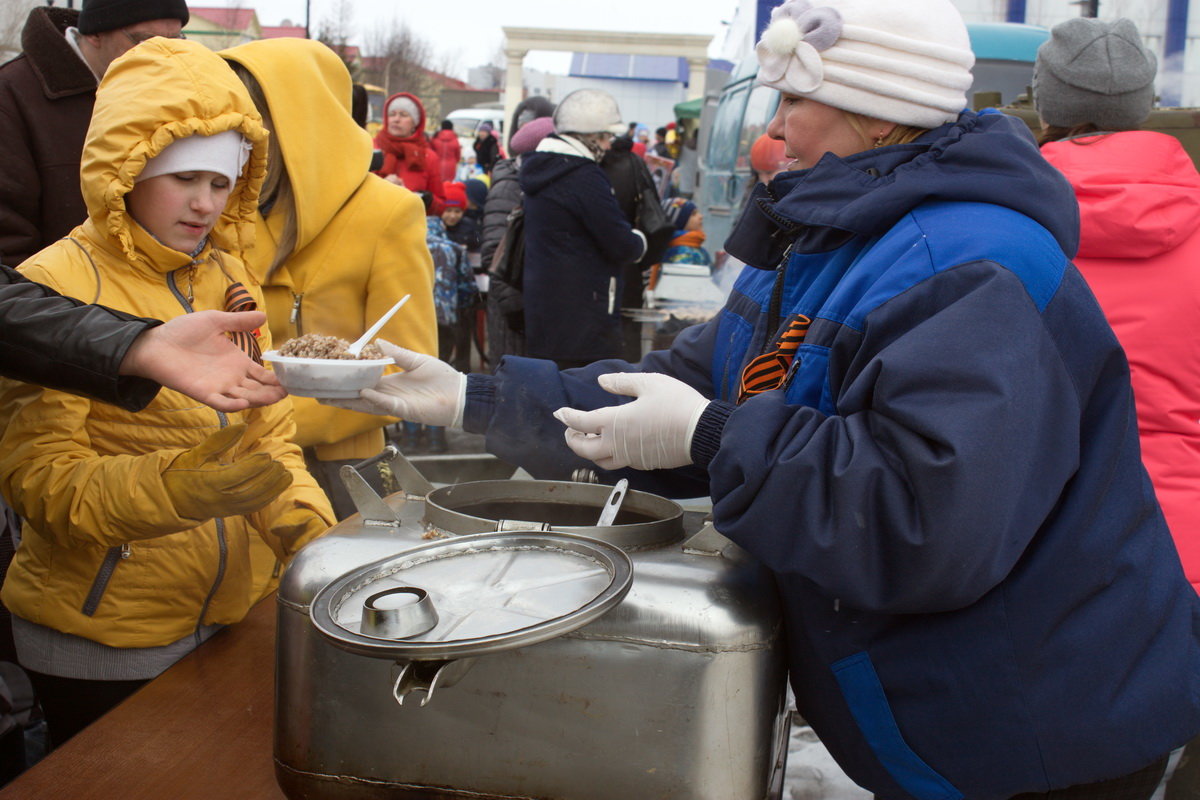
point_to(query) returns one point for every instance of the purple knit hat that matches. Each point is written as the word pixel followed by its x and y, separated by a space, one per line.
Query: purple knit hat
pixel 530 136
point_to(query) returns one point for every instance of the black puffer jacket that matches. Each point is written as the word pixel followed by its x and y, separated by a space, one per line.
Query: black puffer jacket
pixel 503 197
pixel 60 343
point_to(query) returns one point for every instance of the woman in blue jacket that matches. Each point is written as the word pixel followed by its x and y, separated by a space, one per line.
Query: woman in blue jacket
pixel 913 411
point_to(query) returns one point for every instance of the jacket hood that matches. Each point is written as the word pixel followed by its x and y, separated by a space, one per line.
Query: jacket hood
pixel 326 154
pixel 158 92
pixel 1138 192
pixel 555 158
pixel 418 134
pixel 983 158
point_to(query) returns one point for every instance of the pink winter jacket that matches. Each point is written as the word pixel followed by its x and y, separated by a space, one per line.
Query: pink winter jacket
pixel 1139 204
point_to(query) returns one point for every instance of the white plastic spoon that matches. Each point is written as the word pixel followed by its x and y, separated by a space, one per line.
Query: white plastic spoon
pixel 361 342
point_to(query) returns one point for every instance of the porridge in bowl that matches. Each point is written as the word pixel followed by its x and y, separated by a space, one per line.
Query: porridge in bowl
pixel 314 365
pixel 315 345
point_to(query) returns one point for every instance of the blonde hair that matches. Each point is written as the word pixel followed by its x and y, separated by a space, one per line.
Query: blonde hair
pixel 276 195
pixel 901 134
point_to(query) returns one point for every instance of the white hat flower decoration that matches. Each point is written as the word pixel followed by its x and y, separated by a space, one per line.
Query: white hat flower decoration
pixel 790 46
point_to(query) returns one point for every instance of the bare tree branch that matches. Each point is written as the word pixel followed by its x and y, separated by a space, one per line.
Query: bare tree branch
pixel 401 61
pixel 335 32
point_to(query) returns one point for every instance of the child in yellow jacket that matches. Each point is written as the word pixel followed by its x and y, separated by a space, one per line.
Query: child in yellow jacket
pixel 136 540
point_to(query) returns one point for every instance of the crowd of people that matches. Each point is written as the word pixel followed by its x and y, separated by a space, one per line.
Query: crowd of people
pixel 952 401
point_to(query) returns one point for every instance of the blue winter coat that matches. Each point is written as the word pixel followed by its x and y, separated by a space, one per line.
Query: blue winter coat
pixel 454 288
pixel 980 594
pixel 576 243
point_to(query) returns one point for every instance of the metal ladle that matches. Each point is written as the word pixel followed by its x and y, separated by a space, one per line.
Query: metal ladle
pixel 613 504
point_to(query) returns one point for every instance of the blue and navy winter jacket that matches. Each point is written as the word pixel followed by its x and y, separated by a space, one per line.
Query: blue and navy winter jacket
pixel 980 594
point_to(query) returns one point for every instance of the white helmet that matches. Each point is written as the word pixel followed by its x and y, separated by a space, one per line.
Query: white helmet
pixel 588 111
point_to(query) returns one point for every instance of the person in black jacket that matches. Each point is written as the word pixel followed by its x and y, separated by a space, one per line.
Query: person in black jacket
pixel 487 149
pixel 92 350
pixel 631 177
pixel 577 241
pixel 504 196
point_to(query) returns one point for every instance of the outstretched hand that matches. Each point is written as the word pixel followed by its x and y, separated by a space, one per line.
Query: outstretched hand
pixel 653 432
pixel 192 355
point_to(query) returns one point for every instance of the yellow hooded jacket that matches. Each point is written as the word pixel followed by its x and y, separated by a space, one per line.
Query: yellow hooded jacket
pixel 104 554
pixel 360 243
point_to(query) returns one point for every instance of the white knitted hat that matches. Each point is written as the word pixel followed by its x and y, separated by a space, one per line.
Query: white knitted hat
pixel 407 106
pixel 588 111
pixel 905 62
pixel 224 153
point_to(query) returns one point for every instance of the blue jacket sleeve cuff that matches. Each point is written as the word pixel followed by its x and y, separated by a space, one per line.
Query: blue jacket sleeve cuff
pixel 706 441
pixel 480 404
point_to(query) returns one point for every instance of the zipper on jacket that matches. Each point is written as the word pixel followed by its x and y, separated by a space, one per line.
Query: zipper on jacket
pixel 295 317
pixel 612 295
pixel 222 546
pixel 113 557
pixel 223 549
pixel 174 287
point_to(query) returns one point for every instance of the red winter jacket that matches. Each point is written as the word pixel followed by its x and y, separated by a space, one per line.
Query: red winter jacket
pixel 1139 204
pixel 449 150
pixel 411 158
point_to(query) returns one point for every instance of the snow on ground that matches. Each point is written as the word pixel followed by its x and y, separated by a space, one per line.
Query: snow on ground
pixel 812 774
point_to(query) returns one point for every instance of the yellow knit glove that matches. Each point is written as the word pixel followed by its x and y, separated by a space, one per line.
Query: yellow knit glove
pixel 297 527
pixel 201 487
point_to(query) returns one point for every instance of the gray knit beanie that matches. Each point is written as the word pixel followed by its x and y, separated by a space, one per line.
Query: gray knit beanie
pixel 1097 72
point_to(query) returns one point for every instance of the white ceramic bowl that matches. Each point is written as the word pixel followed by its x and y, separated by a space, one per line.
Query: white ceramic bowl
pixel 326 377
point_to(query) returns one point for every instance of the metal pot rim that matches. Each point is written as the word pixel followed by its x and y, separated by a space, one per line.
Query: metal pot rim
pixel 665 528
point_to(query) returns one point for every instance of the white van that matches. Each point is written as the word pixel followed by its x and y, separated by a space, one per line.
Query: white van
pixel 467 121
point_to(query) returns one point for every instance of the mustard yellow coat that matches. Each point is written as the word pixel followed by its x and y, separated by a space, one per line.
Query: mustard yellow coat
pixel 360 242
pixel 87 477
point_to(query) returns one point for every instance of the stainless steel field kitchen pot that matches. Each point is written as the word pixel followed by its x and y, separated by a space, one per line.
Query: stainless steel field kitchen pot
pixel 520 651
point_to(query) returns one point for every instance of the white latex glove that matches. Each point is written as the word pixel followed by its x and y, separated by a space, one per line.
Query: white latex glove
pixel 653 432
pixel 429 391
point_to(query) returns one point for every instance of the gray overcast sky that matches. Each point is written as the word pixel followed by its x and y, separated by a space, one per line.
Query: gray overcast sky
pixel 468 31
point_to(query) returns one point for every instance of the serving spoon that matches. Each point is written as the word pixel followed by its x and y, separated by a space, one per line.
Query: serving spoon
pixel 361 342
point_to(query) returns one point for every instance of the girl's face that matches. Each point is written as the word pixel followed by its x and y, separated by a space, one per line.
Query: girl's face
pixel 810 129
pixel 399 123
pixel 695 222
pixel 181 208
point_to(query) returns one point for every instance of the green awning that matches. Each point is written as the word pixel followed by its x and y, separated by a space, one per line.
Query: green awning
pixel 689 109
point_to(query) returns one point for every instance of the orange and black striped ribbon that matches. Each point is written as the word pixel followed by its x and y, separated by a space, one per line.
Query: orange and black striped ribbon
pixel 768 371
pixel 237 298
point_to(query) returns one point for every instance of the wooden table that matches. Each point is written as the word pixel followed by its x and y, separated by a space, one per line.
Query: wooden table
pixel 200 730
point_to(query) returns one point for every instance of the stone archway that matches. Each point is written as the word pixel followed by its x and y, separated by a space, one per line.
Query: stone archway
pixel 519 41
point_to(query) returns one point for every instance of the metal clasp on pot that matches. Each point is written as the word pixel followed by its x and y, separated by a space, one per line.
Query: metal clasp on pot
pixel 427 676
